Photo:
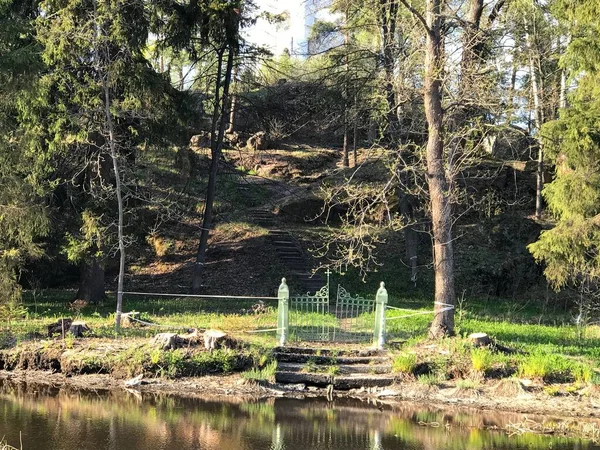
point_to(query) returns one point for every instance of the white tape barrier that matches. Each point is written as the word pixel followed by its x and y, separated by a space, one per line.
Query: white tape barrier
pixel 447 307
pixel 243 297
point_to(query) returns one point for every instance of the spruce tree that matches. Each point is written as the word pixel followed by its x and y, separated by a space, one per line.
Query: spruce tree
pixel 23 217
pixel 570 250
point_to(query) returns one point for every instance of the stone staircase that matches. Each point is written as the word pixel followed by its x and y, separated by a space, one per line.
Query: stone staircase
pixel 340 369
pixel 297 265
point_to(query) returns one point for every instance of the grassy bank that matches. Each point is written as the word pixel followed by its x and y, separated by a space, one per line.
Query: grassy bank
pixel 543 347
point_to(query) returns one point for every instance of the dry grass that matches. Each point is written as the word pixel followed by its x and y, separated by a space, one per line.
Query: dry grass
pixel 509 387
pixel 568 428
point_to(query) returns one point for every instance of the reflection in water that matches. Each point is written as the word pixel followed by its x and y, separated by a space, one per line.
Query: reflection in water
pixel 49 418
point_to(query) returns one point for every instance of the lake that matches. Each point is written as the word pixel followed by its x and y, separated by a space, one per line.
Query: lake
pixel 49 418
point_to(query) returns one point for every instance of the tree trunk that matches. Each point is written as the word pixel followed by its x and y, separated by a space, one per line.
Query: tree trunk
pixel 539 120
pixel 91 281
pixel 388 11
pixel 234 101
pixel 346 144
pixel 411 237
pixel 443 257
pixel 220 118
pixel 355 134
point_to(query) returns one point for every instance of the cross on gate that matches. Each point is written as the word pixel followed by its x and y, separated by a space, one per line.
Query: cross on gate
pixel 328 272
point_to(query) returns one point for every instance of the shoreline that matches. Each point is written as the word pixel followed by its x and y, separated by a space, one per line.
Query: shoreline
pixel 234 387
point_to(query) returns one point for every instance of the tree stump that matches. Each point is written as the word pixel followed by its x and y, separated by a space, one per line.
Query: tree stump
pixel 130 319
pixel 77 328
pixel 214 339
pixel 59 327
pixel 166 341
pixel 191 338
pixel 480 339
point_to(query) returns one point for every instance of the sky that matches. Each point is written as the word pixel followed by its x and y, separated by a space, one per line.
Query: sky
pixel 292 33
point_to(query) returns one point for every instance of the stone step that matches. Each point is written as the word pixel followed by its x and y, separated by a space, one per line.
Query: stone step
pixel 295 264
pixel 363 352
pixel 288 252
pixel 344 369
pixel 341 382
pixel 344 360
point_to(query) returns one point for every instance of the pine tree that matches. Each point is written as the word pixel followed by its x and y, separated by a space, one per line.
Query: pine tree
pixel 570 250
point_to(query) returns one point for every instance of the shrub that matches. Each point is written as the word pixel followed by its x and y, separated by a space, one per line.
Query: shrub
pixel 404 363
pixel 582 373
pixel 536 365
pixel 554 367
pixel 160 245
pixel 481 359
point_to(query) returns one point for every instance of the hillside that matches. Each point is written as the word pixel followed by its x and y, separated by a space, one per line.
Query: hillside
pixel 280 189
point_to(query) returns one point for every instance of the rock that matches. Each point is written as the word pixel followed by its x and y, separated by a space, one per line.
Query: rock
pixel 259 308
pixel 257 141
pixel 232 138
pixel 214 339
pixel 78 328
pixel 59 327
pixel 201 140
pixel 480 339
pixel 165 341
pixel 136 381
pixel 388 393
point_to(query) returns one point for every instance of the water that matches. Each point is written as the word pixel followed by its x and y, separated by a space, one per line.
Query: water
pixel 53 419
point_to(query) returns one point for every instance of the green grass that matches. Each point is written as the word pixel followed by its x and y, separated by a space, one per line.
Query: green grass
pixel 548 347
pixel 430 379
pixel 468 383
pixel 404 363
pixel 267 373
pixel 166 313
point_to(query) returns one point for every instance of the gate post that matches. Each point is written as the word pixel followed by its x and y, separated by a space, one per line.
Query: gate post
pixel 282 312
pixel 380 304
